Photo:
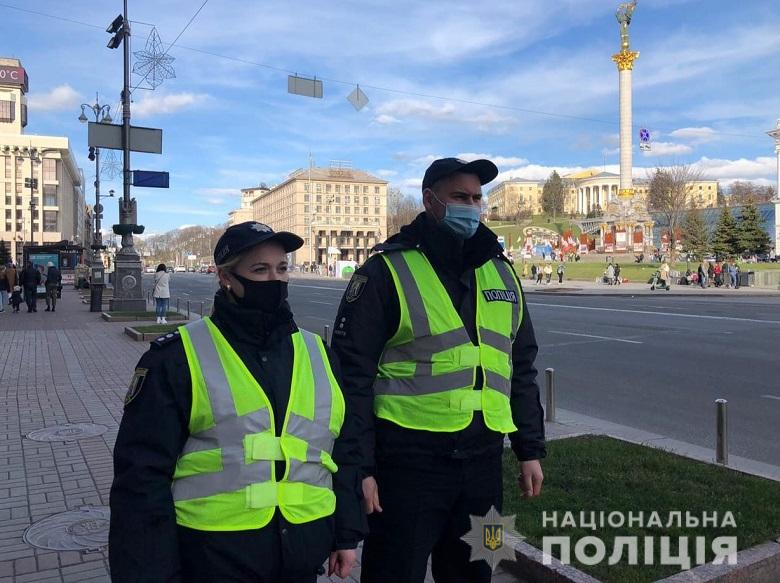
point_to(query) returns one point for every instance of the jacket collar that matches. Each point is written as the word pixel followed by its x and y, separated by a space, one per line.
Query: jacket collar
pixel 254 327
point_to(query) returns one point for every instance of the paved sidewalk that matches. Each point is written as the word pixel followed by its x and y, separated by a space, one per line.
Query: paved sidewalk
pixel 72 367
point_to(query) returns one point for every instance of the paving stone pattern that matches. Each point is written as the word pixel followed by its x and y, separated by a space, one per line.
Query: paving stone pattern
pixel 56 368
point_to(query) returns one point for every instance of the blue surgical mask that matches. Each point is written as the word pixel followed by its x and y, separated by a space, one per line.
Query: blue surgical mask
pixel 462 220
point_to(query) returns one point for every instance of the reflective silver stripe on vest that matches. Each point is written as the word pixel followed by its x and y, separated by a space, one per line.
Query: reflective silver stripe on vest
pixel 425 385
pixel 510 282
pixel 227 434
pixel 496 340
pixel 418 316
pixel 423 349
pixel 498 383
pixel 314 431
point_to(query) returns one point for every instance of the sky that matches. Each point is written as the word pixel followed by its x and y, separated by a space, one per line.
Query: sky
pixel 527 83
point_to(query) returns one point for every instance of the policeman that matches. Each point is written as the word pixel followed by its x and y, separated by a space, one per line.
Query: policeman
pixel 433 334
pixel 237 457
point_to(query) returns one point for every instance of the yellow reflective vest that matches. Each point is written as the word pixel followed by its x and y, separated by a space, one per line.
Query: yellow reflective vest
pixel 225 477
pixel 428 369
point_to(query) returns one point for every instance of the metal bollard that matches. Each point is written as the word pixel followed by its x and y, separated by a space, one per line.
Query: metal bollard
pixel 326 337
pixel 201 310
pixel 177 305
pixel 722 431
pixel 549 374
pixel 188 309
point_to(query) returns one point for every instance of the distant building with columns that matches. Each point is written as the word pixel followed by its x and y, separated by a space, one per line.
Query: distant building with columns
pixel 585 192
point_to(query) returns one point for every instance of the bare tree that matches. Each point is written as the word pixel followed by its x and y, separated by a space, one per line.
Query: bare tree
pixel 401 210
pixel 670 195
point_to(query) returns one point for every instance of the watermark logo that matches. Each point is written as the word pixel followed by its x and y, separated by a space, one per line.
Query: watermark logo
pixel 491 537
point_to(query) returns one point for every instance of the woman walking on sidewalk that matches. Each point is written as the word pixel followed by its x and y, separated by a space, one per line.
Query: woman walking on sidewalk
pixel 161 293
pixel 237 458
pixel 4 288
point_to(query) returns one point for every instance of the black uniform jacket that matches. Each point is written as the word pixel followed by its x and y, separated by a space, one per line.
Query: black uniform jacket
pixel 369 316
pixel 145 542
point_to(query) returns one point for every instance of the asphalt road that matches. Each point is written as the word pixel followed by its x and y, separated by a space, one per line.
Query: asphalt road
pixel 651 362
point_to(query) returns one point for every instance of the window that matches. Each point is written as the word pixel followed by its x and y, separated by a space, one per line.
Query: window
pixel 8 200
pixel 8 215
pixel 305 198
pixel 365 210
pixel 365 200
pixel 306 208
pixel 327 188
pixel 305 187
pixel 18 214
pixel 365 190
pixel 7 111
pixel 338 200
pixel 318 209
pixel 346 200
pixel 338 210
pixel 346 210
pixel 18 200
pixel 7 226
pixel 376 189
pixel 49 195
pixel 50 221
pixel 318 187
pixel 19 163
pixel 376 210
pixel 50 169
pixel 376 201
pixel 319 198
pixel 8 168
pixel 338 188
pixel 346 189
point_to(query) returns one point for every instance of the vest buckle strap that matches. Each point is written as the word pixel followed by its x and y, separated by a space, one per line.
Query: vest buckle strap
pixel 466 400
pixel 265 446
pixel 263 495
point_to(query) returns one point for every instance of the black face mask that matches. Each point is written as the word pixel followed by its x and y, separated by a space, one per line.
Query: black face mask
pixel 266 296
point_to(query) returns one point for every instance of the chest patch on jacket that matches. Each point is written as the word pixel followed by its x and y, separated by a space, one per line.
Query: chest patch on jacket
pixel 356 286
pixel 500 295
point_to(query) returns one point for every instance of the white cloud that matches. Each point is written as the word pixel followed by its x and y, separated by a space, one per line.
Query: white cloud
pixel 384 173
pixel 219 192
pixel 497 160
pixel 384 119
pixel 763 167
pixel 695 135
pixel 59 98
pixel 667 149
pixel 182 227
pixel 399 108
pixel 169 103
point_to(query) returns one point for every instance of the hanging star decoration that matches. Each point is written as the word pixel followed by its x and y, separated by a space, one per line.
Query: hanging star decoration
pixel 109 165
pixel 153 64
pixel 491 537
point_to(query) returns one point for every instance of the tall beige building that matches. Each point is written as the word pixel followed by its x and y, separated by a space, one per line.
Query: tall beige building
pixel 584 192
pixel 245 212
pixel 340 212
pixel 52 211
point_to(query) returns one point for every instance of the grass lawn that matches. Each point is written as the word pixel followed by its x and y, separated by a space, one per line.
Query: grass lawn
pixel 157 328
pixel 595 473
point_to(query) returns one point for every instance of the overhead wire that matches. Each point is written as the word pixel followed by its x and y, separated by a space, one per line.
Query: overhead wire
pixel 348 83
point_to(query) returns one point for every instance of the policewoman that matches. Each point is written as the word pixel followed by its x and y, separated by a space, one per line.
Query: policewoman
pixel 237 456
pixel 437 349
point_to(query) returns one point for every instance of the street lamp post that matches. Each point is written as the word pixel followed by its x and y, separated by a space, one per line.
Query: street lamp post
pixel 102 114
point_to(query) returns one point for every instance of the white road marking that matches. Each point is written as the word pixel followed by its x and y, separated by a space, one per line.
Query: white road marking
pixel 338 289
pixel 597 337
pixel 771 397
pixel 776 322
pixel 323 303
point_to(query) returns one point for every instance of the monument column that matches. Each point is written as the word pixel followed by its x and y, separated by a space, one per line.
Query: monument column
pixel 625 64
pixel 775 133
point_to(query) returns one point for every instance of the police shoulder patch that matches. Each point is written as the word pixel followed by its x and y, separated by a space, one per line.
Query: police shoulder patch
pixel 139 376
pixel 356 286
pixel 166 339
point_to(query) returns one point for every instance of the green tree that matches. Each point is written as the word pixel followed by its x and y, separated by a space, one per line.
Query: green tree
pixel 696 235
pixel 724 238
pixel 750 236
pixel 553 194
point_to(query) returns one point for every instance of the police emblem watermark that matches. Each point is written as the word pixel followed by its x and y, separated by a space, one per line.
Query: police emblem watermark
pixel 491 538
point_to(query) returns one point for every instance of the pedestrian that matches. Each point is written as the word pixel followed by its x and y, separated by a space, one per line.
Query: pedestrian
pixel 733 274
pixel 12 275
pixel 437 347
pixel 4 289
pixel 161 293
pixel 617 274
pixel 547 273
pixel 53 281
pixel 525 270
pixel 610 274
pixel 560 271
pixel 31 279
pixel 16 298
pixel 539 275
pixel 665 274
pixel 702 273
pixel 237 457
pixel 534 271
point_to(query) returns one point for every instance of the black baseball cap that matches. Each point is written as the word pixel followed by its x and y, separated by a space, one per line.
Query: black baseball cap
pixel 443 167
pixel 239 238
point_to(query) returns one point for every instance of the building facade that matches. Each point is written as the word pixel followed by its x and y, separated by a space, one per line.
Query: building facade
pixel 41 196
pixel 245 212
pixel 339 212
pixel 585 192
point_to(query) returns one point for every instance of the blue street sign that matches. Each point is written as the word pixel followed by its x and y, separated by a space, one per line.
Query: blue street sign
pixel 150 179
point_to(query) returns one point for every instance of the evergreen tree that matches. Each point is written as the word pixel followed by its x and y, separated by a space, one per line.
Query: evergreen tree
pixel 724 238
pixel 750 236
pixel 4 257
pixel 696 235
pixel 553 195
